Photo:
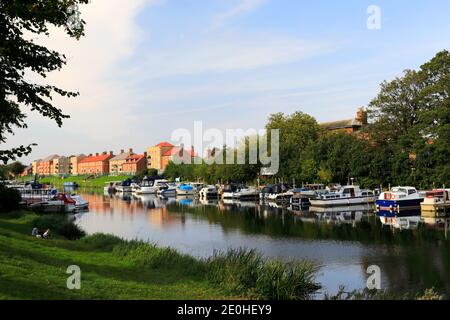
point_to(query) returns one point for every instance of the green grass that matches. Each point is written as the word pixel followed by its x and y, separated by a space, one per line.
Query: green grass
pixel 82 181
pixel 113 268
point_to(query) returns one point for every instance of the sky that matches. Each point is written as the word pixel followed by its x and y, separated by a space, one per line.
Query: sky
pixel 149 67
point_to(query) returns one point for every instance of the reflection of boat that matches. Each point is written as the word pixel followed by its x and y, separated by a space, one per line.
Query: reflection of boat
pixel 348 195
pixel 208 201
pixel 399 199
pixel 438 223
pixel 60 203
pixel 238 204
pixel 365 208
pixel 436 203
pixel 340 216
pixel 185 190
pixel 408 222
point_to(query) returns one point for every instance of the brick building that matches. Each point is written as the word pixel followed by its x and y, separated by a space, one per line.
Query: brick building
pixel 349 125
pixel 116 163
pixel 135 164
pixel 74 161
pixel 160 155
pixel 95 164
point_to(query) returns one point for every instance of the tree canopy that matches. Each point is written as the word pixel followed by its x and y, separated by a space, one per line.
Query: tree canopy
pixel 21 58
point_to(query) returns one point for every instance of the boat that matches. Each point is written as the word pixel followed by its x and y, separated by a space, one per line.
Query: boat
pixel 111 187
pixel 70 184
pixel 302 196
pixel 209 192
pixel 148 186
pixel 60 203
pixel 347 195
pixel 80 203
pixel 167 190
pixel 124 186
pixel 436 203
pixel 246 194
pixel 399 199
pixel 228 191
pixel 185 190
pixel 197 186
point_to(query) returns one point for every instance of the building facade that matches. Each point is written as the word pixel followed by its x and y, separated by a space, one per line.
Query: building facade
pixel 60 166
pixel 97 164
pixel 116 163
pixel 74 161
pixel 135 164
pixel 45 167
pixel 155 155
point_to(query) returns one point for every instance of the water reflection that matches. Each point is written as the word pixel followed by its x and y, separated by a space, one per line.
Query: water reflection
pixel 412 252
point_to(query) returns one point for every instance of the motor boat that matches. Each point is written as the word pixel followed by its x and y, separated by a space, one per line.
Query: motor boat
pixel 436 203
pixel 209 192
pixel 229 190
pixel 277 193
pixel 124 186
pixel 347 195
pixel 197 186
pixel 148 186
pixel 80 203
pixel 399 199
pixel 246 194
pixel 302 196
pixel 185 190
pixel 167 190
pixel 60 203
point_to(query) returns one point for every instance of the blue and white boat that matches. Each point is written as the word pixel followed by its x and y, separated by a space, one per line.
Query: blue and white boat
pixel 185 190
pixel 399 199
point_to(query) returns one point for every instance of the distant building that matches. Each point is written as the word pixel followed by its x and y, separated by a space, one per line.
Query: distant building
pixel 135 164
pixel 74 161
pixel 116 163
pixel 60 166
pixel 349 125
pixel 45 167
pixel 160 155
pixel 28 171
pixel 95 164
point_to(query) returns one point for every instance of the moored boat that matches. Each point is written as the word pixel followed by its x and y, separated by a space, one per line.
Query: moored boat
pixel 185 190
pixel 60 203
pixel 80 203
pixel 208 192
pixel 436 203
pixel 347 195
pixel 399 199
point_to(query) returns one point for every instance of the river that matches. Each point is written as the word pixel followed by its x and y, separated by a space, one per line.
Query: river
pixel 342 243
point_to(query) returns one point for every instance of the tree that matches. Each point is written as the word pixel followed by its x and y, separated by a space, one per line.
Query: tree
pixel 16 168
pixel 20 56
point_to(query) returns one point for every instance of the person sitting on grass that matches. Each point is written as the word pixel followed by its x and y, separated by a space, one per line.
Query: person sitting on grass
pixel 35 231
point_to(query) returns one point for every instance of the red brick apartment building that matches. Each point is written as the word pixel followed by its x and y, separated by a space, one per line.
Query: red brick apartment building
pixel 98 164
pixel 134 164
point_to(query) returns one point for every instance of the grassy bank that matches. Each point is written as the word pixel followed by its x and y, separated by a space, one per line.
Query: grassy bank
pixel 82 181
pixel 112 268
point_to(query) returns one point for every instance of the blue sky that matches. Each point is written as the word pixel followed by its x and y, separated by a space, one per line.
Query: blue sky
pixel 148 67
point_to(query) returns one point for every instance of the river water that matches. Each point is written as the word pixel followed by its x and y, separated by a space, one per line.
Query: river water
pixel 343 243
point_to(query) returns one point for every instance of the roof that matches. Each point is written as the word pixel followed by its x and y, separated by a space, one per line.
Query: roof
pixel 177 150
pixel 136 157
pixel 49 158
pixel 164 144
pixel 341 124
pixel 102 157
pixel 121 156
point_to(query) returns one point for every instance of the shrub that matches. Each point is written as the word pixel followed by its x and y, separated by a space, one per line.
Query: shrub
pixel 246 272
pixel 59 224
pixel 9 199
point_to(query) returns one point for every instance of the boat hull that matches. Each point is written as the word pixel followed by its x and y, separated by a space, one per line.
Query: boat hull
pixel 398 205
pixel 341 202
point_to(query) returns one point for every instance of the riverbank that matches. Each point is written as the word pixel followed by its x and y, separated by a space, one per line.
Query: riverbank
pixel 112 268
pixel 82 181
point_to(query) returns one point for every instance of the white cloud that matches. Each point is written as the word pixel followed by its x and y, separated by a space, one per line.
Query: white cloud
pixel 244 6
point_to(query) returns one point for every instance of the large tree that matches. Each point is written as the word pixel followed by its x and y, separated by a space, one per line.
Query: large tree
pixel 21 58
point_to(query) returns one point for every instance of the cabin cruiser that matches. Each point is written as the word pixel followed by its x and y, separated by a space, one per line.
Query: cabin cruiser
pixel 167 190
pixel 399 199
pixel 60 203
pixel 80 203
pixel 302 196
pixel 246 194
pixel 197 186
pixel 436 203
pixel 208 192
pixel 148 186
pixel 185 190
pixel 229 190
pixel 124 186
pixel 347 195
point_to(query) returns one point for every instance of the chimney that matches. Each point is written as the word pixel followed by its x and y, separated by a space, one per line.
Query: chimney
pixel 192 151
pixel 111 153
pixel 130 150
pixel 145 154
pixel 122 151
pixel 90 154
pixel 104 152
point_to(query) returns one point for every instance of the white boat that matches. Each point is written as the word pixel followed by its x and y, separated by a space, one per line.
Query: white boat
pixel 60 203
pixel 197 186
pixel 281 197
pixel 150 186
pixel 436 203
pixel 347 195
pixel 228 191
pixel 246 194
pixel 208 192
pixel 80 203
pixel 167 190
pixel 399 199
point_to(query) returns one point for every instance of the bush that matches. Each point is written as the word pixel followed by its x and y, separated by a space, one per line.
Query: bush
pixel 59 224
pixel 9 199
pixel 246 272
